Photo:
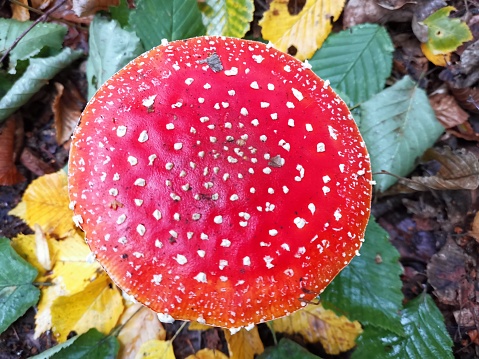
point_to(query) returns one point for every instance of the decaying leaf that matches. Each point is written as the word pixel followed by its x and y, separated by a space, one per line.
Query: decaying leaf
pixel 305 31
pixel 9 174
pixel 198 326
pixel 459 169
pixel 316 324
pixel 155 349
pixel 244 344
pixel 447 111
pixel 20 12
pixel 89 7
pixel 142 325
pixel 208 354
pixel 45 202
pixel 439 59
pixel 67 107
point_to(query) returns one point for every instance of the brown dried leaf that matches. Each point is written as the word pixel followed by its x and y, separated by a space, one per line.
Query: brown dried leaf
pixel 9 174
pixel 363 11
pixel 474 232
pixel 89 7
pixel 40 4
pixel 459 169
pixel 67 106
pixel 20 12
pixel 394 4
pixel 466 98
pixel 447 111
pixel 244 344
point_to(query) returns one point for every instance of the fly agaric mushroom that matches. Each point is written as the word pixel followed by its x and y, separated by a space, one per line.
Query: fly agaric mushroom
pixel 220 180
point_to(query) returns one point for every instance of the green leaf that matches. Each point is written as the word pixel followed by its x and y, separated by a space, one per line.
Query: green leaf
pixel 37 75
pixel 121 13
pixel 356 61
pixel 42 35
pixel 227 17
pixel 369 288
pixel 17 293
pixel 445 34
pixel 287 349
pixel 154 20
pixel 398 125
pixel 91 345
pixel 111 48
pixel 426 336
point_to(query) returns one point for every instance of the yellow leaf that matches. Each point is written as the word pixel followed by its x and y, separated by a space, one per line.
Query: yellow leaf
pixel 244 344
pixel 198 326
pixel 142 325
pixel 306 31
pixel 208 354
pixel 438 60
pixel 156 349
pixel 314 323
pixel 98 306
pixel 24 245
pixel 45 202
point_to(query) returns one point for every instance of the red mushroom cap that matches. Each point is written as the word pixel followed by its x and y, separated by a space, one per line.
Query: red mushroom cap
pixel 220 180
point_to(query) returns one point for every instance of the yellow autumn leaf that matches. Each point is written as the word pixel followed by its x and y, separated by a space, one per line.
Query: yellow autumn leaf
pixel 438 60
pixel 142 325
pixel 198 326
pixel 45 203
pixel 208 354
pixel 306 31
pixel 244 344
pixel 98 306
pixel 156 349
pixel 314 323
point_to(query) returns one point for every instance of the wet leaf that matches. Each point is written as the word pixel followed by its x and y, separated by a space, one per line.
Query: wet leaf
pixel 155 349
pixel 306 31
pixel 316 324
pixel 447 111
pixel 227 17
pixel 17 293
pixel 45 202
pixel 445 34
pixel 244 344
pixel 458 169
pixel 9 174
pixel 142 325
pixel 369 288
pixel 208 354
pixel 398 126
pixel 37 75
pixel 287 349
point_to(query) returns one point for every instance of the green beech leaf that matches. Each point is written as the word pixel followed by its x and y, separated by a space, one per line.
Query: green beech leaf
pixel 445 34
pixel 37 75
pixel 17 293
pixel 91 345
pixel 227 17
pixel 398 126
pixel 287 349
pixel 356 61
pixel 369 288
pixel 425 337
pixel 120 13
pixel 155 20
pixel 42 35
pixel 111 48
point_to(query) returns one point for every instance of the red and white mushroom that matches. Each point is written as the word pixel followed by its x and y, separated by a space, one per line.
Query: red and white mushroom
pixel 220 180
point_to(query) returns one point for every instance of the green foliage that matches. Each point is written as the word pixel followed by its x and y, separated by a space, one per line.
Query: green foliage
pixel 17 293
pixel 227 17
pixel 121 13
pixel 398 125
pixel 356 61
pixel 42 35
pixel 445 34
pixel 425 335
pixel 369 288
pixel 111 48
pixel 91 345
pixel 287 349
pixel 37 74
pixel 154 20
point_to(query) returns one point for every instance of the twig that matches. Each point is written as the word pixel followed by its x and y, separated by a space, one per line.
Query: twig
pixel 40 19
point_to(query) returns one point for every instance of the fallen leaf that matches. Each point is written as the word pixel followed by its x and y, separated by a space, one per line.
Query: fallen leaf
pixel 40 4
pixel 459 169
pixel 67 107
pixel 45 202
pixel 142 325
pixel 98 306
pixel 89 7
pixel 9 174
pixel 41 248
pixel 474 232
pixel 439 59
pixel 244 344
pixel 370 11
pixel 20 12
pixel 316 324
pixel 156 349
pixel 198 326
pixel 208 354
pixel 305 31
pixel 447 111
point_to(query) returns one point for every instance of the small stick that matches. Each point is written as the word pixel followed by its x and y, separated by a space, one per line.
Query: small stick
pixel 40 19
